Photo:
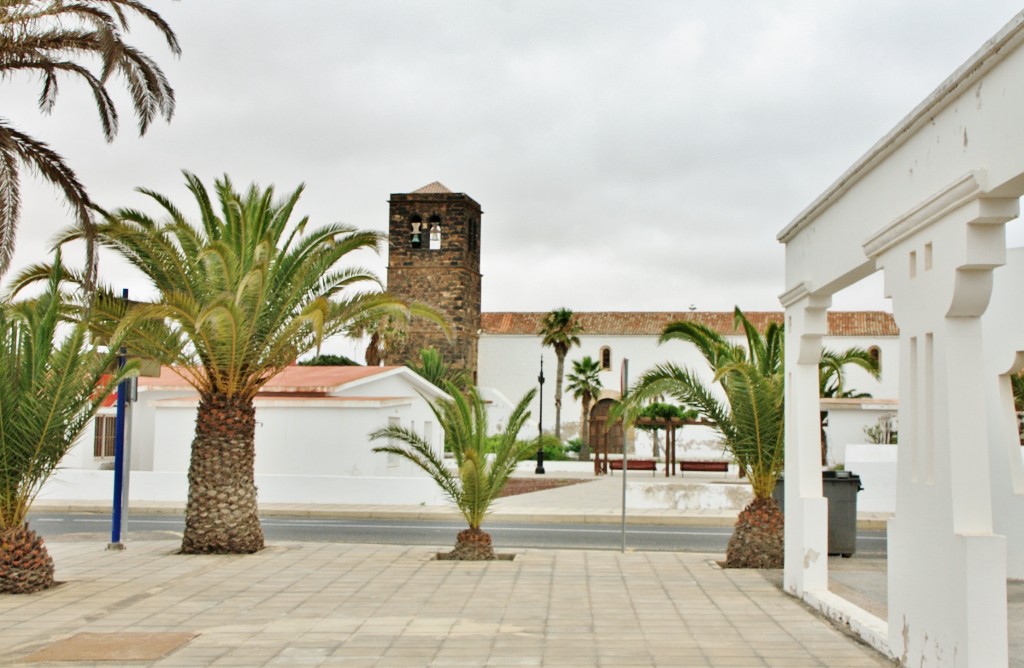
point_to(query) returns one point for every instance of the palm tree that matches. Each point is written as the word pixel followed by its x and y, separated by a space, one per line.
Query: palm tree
pixel 51 39
pixel 750 420
pixel 832 381
pixel 657 416
pixel 483 463
pixel 585 385
pixel 51 390
pixel 242 293
pixel 560 331
pixel 385 335
pixel 433 368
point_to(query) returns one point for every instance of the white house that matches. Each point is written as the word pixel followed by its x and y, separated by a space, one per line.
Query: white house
pixel 312 439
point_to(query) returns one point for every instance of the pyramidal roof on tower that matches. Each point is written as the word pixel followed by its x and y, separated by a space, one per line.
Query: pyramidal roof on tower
pixel 432 189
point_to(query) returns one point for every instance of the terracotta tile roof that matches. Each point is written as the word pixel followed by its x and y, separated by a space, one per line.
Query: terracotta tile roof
pixel 433 188
pixel 293 379
pixel 651 323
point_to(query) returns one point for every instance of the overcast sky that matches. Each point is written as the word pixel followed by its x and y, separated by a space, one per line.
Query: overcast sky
pixel 628 155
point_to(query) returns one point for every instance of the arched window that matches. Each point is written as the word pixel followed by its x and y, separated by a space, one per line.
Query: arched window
pixel 435 232
pixel 876 353
pixel 416 229
pixel 606 358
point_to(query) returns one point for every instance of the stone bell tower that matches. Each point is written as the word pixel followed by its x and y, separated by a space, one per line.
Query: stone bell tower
pixel 434 258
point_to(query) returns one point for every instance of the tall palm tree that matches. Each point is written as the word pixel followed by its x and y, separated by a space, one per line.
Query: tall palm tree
pixel 243 291
pixel 560 331
pixel 385 334
pixel 483 463
pixel 585 385
pixel 53 39
pixel 51 389
pixel 750 418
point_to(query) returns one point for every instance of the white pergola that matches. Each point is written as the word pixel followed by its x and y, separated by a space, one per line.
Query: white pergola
pixel 927 206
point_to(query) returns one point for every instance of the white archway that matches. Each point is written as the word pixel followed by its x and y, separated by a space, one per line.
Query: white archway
pixel 927 206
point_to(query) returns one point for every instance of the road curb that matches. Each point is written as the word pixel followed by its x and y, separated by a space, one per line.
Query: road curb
pixel 442 514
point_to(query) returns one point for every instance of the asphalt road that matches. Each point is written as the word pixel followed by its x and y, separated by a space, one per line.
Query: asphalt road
pixel 439 533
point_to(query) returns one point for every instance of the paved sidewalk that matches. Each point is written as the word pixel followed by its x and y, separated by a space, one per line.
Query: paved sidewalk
pixel 359 605
pixel 297 604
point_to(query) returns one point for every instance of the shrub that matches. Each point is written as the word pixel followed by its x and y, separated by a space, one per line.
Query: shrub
pixel 552 447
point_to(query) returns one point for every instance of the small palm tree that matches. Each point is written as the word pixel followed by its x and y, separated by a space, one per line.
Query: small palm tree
pixel 657 416
pixel 585 385
pixel 483 464
pixel 242 292
pixel 832 380
pixel 51 390
pixel 51 39
pixel 433 368
pixel 560 331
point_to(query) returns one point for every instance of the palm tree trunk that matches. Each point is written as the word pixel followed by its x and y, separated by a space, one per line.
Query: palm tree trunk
pixel 472 545
pixel 558 396
pixel 221 516
pixel 585 430
pixel 25 564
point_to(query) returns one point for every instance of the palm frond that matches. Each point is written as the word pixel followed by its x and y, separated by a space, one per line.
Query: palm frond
pixel 55 39
pixel 52 389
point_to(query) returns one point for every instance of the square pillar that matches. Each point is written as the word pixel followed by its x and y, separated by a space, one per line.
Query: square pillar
pixel 806 560
pixel 947 568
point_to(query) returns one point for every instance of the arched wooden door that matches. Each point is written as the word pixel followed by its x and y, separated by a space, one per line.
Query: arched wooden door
pixel 604 440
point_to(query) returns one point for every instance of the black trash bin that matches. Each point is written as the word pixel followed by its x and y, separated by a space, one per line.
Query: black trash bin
pixel 840 488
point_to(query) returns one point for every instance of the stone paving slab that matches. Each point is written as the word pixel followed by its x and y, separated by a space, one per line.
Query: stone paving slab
pixel 111 647
pixel 298 604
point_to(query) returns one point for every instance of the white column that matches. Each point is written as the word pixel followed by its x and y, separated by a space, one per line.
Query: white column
pixel 1004 352
pixel 947 569
pixel 806 567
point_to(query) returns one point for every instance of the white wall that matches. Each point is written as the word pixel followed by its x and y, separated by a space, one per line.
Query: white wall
pixel 847 420
pixel 331 438
pixel 172 487
pixel 80 456
pixel 511 364
pixel 306 436
pixel 876 466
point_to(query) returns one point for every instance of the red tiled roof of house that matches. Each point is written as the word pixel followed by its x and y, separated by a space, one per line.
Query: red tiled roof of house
pixel 651 323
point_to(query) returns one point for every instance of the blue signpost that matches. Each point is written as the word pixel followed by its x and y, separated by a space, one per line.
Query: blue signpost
pixel 119 454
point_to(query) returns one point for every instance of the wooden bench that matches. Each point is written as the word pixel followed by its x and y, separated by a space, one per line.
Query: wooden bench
pixel 634 465
pixel 716 467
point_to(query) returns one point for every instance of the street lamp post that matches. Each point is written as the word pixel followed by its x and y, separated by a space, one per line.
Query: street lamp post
pixel 540 420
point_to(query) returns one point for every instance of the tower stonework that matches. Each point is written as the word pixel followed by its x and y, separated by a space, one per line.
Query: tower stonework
pixel 434 258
